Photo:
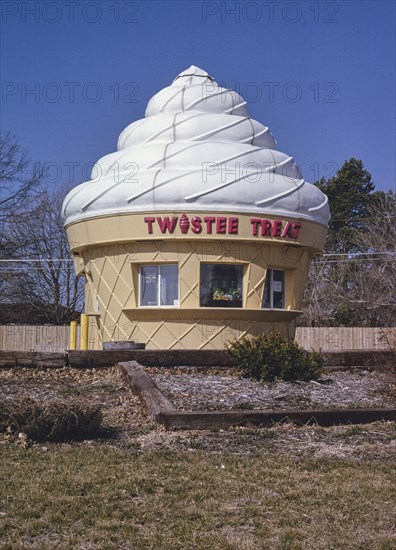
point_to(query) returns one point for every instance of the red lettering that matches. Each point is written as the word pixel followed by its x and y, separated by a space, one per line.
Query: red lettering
pixel 287 230
pixel 209 220
pixel 149 222
pixel 196 224
pixel 254 223
pixel 266 228
pixel 166 224
pixel 233 225
pixel 221 225
pixel 296 229
pixel 276 230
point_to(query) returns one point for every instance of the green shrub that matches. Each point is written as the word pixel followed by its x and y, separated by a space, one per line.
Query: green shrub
pixel 271 356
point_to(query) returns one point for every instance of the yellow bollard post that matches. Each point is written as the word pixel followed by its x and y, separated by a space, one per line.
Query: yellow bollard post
pixel 73 335
pixel 84 332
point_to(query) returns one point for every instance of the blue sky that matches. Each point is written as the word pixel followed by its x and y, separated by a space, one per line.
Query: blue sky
pixel 321 75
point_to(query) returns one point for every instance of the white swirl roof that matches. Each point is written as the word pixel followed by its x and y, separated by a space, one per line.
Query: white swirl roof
pixel 197 149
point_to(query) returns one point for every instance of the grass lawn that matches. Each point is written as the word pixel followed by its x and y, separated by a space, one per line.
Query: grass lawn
pixel 281 487
pixel 96 495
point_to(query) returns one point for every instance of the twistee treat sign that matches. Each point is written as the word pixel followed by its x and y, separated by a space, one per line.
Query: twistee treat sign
pixel 222 225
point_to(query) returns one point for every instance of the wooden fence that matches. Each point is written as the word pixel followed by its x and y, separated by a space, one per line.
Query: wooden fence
pixel 346 338
pixel 55 338
pixel 35 338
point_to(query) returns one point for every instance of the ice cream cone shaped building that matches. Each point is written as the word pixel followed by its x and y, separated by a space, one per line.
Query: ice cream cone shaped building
pixel 197 231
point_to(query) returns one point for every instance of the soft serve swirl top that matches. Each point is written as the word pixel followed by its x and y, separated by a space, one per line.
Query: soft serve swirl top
pixel 196 150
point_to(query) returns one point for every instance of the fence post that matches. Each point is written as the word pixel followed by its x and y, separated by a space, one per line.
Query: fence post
pixel 84 332
pixel 73 335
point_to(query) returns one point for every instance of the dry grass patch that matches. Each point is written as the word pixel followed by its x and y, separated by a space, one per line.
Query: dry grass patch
pixel 87 389
pixel 99 497
pixel 53 420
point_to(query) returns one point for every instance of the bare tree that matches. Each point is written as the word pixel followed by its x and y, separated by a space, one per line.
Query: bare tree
pixel 374 287
pixel 19 177
pixel 358 288
pixel 317 305
pixel 41 274
pixel 37 274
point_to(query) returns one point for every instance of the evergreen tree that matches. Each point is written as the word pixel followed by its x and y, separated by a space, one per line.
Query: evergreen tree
pixel 349 199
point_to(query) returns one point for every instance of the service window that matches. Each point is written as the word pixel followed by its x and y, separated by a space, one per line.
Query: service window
pixel 274 290
pixel 159 285
pixel 221 285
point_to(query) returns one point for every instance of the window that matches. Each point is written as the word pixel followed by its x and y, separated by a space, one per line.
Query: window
pixel 274 290
pixel 221 285
pixel 159 285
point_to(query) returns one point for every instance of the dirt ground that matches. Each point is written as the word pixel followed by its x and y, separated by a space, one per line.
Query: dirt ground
pixel 127 425
pixel 338 389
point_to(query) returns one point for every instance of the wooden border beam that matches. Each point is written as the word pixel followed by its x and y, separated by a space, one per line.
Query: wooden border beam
pixel 175 358
pixel 204 420
pixel 163 411
pixel 157 405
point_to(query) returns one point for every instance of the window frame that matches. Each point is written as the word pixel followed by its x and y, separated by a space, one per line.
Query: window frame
pixel 158 293
pixel 270 271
